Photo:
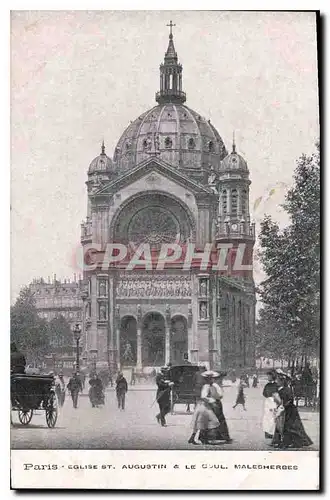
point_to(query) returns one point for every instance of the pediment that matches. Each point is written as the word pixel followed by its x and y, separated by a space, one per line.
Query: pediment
pixel 153 171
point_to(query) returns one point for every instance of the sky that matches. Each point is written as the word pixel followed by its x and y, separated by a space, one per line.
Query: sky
pixel 78 77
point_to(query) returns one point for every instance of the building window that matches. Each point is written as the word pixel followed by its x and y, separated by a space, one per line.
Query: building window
pixel 191 143
pixel 168 143
pixel 211 147
pixel 224 201
pixel 234 201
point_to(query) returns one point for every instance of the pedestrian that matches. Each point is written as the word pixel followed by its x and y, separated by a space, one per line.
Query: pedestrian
pixel 17 360
pixel 255 381
pixel 289 430
pixel 268 421
pixel 96 394
pixel 163 396
pixel 110 378
pixel 60 389
pixel 121 389
pixel 240 400
pixel 211 396
pixel 74 387
pixel 133 378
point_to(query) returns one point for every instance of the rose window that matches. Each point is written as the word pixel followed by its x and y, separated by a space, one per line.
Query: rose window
pixel 154 225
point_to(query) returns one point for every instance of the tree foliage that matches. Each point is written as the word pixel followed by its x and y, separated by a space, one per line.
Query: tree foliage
pixel 28 330
pixel 289 320
pixel 60 334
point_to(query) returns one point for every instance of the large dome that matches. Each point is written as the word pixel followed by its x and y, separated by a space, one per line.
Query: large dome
pixel 176 134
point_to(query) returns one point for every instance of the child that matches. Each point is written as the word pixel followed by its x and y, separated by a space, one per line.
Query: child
pixel 240 400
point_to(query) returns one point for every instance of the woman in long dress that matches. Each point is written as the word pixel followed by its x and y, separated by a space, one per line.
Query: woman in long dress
pixel 289 430
pixel 203 419
pixel 268 421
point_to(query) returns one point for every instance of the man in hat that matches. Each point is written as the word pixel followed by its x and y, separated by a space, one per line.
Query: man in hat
pixel 121 389
pixel 163 395
pixel 74 387
pixel 17 360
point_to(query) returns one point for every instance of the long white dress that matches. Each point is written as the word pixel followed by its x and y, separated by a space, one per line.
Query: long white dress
pixel 204 417
pixel 268 421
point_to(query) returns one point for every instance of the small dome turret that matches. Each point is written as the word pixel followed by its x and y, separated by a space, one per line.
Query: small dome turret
pixel 101 164
pixel 234 161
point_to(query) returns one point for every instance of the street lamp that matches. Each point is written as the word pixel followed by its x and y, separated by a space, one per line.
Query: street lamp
pixel 77 334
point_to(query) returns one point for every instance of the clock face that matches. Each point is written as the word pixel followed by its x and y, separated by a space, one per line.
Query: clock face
pixel 234 227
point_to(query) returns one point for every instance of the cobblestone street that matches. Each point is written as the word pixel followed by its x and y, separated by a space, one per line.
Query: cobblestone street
pixel 137 428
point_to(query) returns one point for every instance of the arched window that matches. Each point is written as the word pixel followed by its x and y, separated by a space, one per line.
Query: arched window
pixel 191 143
pixel 168 143
pixel 234 201
pixel 211 147
pixel 224 201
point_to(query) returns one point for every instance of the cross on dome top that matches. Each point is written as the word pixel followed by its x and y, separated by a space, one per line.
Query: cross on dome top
pixel 171 25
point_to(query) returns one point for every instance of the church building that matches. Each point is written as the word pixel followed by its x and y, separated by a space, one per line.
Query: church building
pixel 170 181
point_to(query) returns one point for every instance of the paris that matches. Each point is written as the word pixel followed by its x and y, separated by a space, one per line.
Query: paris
pixel 165 252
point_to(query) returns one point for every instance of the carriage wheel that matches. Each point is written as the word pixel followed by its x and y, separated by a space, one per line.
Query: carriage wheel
pixel 52 410
pixel 25 416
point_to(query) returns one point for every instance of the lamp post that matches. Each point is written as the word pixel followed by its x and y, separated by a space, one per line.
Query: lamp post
pixel 77 334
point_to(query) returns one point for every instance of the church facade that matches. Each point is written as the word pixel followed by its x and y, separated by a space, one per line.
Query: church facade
pixel 172 185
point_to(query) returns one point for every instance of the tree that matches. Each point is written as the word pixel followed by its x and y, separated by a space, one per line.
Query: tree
pixel 291 260
pixel 28 331
pixel 60 334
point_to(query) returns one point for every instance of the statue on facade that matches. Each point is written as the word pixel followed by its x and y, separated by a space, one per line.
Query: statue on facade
pixel 103 312
pixel 212 181
pixel 157 143
pixel 102 288
pixel 203 287
pixel 149 143
pixel 203 310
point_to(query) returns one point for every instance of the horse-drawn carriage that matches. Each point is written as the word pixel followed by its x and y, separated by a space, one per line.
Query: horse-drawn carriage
pixel 30 393
pixel 187 384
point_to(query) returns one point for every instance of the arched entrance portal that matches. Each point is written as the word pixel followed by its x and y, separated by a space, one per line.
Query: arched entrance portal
pixel 179 340
pixel 153 340
pixel 128 344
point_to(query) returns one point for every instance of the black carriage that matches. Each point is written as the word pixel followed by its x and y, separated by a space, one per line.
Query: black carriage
pixel 187 384
pixel 30 393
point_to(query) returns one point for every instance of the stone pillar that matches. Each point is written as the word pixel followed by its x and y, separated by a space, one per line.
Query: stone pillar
pixel 117 326
pixel 94 316
pixel 139 339
pixel 228 200
pixel 167 334
pixel 190 334
pixel 239 201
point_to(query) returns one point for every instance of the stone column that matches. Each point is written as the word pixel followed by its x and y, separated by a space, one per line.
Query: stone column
pixel 167 334
pixel 239 201
pixel 139 339
pixel 190 333
pixel 117 326
pixel 228 200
